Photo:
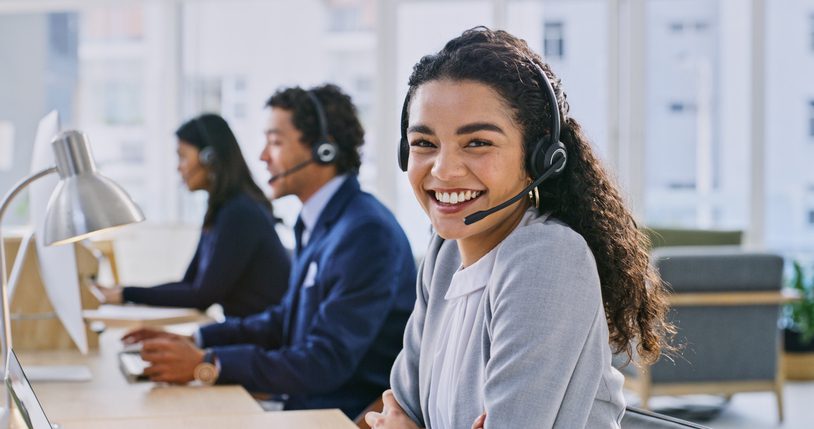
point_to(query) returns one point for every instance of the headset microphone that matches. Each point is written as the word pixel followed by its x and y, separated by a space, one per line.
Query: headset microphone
pixel 291 170
pixel 477 216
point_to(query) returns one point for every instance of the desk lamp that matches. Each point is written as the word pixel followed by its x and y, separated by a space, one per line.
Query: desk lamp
pixel 83 203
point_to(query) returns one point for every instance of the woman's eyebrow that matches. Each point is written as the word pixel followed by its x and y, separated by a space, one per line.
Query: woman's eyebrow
pixel 479 126
pixel 420 128
pixel 465 129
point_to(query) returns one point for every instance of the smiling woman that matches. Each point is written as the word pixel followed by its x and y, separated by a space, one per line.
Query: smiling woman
pixel 466 150
pixel 518 304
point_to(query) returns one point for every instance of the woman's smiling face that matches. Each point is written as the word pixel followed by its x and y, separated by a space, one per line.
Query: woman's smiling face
pixel 466 155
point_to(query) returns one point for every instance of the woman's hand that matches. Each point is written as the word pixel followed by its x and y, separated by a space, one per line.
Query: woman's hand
pixel 391 417
pixel 108 295
pixel 479 422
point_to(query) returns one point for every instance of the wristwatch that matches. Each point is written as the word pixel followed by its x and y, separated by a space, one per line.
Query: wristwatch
pixel 207 371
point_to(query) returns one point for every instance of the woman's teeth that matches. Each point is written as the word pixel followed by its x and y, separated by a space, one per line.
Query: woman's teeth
pixel 456 197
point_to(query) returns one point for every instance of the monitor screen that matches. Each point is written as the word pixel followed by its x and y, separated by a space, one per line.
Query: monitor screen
pixel 24 397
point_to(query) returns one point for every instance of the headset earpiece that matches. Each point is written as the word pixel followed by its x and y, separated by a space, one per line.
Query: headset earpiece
pixel 404 154
pixel 207 156
pixel 404 146
pixel 540 160
pixel 324 150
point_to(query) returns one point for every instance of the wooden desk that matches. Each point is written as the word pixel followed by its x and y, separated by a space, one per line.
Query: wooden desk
pixel 109 395
pixel 108 400
pixel 315 419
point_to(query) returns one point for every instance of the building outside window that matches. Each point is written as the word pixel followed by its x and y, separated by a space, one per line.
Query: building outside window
pixel 553 40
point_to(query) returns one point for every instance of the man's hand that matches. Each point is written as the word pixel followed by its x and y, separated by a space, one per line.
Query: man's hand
pixel 172 359
pixel 143 334
pixel 391 417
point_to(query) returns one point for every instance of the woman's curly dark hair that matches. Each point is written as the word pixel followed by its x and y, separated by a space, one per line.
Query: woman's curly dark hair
pixel 583 196
pixel 342 120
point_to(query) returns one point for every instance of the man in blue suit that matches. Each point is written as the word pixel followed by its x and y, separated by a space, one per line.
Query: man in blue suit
pixel 333 339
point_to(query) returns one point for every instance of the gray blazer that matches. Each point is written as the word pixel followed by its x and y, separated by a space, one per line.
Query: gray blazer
pixel 539 356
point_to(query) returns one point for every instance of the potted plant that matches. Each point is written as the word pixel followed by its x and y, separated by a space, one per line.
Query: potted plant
pixel 799 327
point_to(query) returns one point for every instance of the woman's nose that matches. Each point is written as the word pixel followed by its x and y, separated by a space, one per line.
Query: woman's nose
pixel 448 164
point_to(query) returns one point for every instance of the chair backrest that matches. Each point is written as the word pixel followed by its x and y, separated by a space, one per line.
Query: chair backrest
pixel 718 269
pixel 660 237
pixel 737 342
pixel 635 418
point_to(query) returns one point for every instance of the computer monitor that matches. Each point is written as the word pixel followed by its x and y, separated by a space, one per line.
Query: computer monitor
pixel 24 397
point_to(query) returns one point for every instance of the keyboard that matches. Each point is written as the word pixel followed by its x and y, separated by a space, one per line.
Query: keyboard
pixel 132 366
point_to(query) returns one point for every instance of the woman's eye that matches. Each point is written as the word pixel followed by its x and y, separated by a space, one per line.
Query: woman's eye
pixel 479 143
pixel 421 143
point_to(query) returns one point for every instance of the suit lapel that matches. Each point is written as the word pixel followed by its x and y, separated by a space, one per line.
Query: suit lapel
pixel 335 207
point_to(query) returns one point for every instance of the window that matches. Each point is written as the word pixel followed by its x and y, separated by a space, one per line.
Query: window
pixel 811 30
pixel 553 40
pixel 682 107
pixel 811 118
pixel 676 107
pixel 676 27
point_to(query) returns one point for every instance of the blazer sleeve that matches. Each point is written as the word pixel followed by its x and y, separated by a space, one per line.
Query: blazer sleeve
pixel 544 366
pixel 360 283
pixel 404 379
pixel 235 240
pixel 264 329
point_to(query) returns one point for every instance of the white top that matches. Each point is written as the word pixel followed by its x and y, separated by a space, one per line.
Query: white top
pixel 312 208
pixel 463 295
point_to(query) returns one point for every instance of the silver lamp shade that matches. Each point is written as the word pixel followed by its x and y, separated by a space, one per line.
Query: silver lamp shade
pixel 84 201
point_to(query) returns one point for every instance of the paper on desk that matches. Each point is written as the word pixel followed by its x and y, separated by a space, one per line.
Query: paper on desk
pixel 128 314
pixel 58 373
pixel 58 263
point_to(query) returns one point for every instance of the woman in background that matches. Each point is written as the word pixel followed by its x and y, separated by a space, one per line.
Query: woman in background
pixel 239 262
pixel 518 313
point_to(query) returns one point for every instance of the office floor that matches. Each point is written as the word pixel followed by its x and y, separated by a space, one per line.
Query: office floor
pixel 757 410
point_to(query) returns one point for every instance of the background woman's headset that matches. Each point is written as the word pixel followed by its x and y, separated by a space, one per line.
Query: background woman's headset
pixel 206 156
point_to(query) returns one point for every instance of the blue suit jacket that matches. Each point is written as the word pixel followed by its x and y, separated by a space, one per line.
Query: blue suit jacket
pixel 333 339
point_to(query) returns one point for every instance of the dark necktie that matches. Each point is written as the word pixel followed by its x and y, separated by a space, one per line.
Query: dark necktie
pixel 299 227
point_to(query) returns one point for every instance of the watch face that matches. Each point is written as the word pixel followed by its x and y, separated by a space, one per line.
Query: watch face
pixel 206 373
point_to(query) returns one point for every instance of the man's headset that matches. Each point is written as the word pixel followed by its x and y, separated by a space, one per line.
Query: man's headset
pixel 324 151
pixel 546 159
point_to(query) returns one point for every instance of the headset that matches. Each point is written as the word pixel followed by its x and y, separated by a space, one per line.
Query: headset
pixel 324 151
pixel 206 156
pixel 546 159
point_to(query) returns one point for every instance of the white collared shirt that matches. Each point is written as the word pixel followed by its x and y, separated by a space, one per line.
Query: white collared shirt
pixel 463 297
pixel 312 208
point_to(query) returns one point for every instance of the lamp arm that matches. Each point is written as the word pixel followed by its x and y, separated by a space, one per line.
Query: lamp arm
pixel 6 202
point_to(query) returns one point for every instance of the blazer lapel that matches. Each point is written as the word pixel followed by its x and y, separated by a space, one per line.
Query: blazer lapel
pixel 336 205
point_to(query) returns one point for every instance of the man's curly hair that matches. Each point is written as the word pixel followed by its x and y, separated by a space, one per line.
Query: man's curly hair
pixel 343 124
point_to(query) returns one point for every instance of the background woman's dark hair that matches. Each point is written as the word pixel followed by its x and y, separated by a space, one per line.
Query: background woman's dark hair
pixel 343 123
pixel 583 196
pixel 229 173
